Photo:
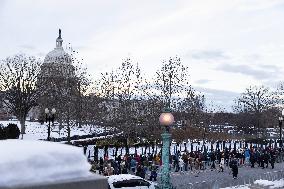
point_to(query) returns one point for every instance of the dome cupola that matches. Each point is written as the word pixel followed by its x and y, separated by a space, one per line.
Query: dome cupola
pixel 57 63
pixel 58 55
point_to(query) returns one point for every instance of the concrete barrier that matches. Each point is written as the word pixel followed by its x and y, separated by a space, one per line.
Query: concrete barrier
pixel 92 182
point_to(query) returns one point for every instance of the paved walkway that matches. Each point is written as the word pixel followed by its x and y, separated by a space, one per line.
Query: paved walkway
pixel 188 178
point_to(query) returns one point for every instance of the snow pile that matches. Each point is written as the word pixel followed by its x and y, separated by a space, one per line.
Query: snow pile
pixel 237 187
pixel 26 162
pixel 271 184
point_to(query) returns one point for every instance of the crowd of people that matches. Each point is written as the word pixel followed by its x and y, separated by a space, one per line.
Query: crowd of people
pixel 148 165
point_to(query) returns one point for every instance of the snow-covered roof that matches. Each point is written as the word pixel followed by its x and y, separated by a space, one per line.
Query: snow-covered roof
pixel 28 162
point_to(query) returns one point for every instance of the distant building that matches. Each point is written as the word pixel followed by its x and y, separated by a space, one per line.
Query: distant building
pixel 57 81
pixel 57 63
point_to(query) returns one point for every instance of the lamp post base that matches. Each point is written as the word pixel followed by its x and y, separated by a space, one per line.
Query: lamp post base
pixel 165 175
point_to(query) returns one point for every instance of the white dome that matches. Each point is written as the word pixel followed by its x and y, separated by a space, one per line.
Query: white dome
pixel 58 55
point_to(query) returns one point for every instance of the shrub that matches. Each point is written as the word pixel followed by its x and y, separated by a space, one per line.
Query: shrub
pixel 12 131
pixel 2 132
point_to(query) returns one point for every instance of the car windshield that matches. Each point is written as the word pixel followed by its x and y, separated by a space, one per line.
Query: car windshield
pixel 130 183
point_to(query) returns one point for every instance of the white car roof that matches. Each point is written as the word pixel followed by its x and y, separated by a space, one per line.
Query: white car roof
pixel 121 177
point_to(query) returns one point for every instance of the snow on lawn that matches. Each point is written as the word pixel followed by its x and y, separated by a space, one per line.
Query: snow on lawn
pixel 36 131
pixel 26 162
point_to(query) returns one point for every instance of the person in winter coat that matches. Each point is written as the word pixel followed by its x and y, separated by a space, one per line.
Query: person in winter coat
pixel 247 156
pixel 153 170
pixel 258 158
pixel 252 159
pixel 133 165
pixel 140 171
pixel 196 164
pixel 108 170
pixel 234 167
pixel 261 159
pixel 226 155
pixel 94 167
pixel 181 164
pixel 222 164
pixel 176 163
pixel 101 165
pixel 116 168
pixel 266 158
pixel 185 161
pixel 213 158
pixel 123 168
pixel 272 159
pixel 191 162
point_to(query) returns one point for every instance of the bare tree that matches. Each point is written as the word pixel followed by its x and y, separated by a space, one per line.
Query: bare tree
pixel 122 97
pixel 171 88
pixel 18 80
pixel 190 109
pixel 135 103
pixel 172 81
pixel 254 101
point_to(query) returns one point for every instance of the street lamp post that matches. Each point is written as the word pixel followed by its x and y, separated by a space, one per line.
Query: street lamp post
pixel 49 117
pixel 204 133
pixel 280 128
pixel 166 119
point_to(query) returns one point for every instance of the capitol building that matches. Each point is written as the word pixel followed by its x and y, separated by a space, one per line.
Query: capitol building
pixel 58 83
pixel 58 63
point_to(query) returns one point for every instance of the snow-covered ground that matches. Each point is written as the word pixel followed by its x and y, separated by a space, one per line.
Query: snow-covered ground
pixel 36 131
pixel 237 187
pixel 27 162
pixel 271 184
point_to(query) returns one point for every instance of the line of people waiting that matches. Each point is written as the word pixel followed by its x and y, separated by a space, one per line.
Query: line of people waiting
pixel 194 161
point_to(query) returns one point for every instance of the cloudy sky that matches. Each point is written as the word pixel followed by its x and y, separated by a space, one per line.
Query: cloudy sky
pixel 227 44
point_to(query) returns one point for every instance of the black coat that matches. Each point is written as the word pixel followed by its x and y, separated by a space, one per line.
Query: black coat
pixel 234 167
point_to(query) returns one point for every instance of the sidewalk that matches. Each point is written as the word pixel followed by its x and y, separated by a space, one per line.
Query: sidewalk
pixel 207 178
